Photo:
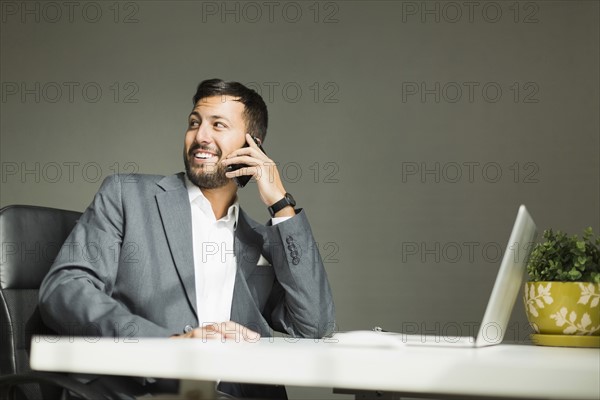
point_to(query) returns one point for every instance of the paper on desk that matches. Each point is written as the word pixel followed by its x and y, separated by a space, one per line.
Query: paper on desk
pixel 367 339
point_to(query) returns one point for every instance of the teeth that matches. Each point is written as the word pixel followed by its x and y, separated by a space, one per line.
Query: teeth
pixel 203 156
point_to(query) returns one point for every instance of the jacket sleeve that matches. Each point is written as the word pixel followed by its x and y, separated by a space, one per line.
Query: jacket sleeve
pixel 75 296
pixel 301 303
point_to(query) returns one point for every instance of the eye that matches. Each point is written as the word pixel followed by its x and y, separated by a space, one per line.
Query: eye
pixel 220 125
pixel 194 123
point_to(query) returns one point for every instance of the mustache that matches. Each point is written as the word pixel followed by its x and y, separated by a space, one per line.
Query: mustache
pixel 197 146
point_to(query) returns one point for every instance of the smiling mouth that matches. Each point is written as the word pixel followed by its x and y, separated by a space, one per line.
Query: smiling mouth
pixel 203 155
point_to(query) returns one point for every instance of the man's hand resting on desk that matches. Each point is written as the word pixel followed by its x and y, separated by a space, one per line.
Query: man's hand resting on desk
pixel 225 331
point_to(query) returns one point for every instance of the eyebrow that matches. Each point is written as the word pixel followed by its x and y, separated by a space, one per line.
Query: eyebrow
pixel 211 117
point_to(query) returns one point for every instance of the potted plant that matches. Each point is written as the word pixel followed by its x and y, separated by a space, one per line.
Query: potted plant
pixel 562 297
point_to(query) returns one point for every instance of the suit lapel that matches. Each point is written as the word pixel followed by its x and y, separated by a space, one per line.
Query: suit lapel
pixel 247 246
pixel 176 215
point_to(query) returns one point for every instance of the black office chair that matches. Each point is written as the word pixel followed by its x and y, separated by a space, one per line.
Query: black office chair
pixel 30 237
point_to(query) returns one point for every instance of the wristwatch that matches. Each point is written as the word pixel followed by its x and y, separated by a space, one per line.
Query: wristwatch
pixel 287 200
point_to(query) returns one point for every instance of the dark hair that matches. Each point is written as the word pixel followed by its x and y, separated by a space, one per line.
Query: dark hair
pixel 255 109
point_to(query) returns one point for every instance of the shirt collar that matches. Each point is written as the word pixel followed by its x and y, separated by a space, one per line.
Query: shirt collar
pixel 196 196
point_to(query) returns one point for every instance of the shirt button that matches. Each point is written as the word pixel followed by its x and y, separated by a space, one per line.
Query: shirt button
pixel 188 329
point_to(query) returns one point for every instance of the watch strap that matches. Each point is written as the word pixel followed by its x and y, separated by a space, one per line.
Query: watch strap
pixel 287 200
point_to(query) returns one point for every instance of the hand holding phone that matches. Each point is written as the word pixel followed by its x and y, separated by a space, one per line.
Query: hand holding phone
pixel 243 180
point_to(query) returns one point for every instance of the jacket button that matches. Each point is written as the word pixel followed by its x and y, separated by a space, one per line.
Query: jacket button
pixel 289 239
pixel 295 261
pixel 188 329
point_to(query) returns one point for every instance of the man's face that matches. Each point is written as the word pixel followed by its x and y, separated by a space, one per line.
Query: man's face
pixel 216 127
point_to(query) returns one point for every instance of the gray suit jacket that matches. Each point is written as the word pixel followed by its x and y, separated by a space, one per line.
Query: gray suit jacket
pixel 127 268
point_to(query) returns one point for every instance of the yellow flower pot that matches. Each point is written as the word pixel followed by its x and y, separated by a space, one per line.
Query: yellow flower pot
pixel 564 313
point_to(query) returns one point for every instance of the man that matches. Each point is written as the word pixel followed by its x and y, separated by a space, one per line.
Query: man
pixel 176 256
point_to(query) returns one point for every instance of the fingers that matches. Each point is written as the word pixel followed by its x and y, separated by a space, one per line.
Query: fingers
pixel 233 330
pixel 225 331
pixel 207 332
pixel 252 142
pixel 252 150
pixel 243 159
pixel 257 165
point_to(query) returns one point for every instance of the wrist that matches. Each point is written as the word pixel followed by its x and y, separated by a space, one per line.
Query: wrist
pixel 287 211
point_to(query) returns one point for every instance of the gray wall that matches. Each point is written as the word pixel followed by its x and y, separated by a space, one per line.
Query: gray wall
pixel 409 131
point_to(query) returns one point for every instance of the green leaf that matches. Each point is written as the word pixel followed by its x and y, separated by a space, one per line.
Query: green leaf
pixel 574 274
pixel 562 257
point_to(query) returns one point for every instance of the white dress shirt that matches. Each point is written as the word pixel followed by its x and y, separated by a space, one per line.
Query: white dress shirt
pixel 214 260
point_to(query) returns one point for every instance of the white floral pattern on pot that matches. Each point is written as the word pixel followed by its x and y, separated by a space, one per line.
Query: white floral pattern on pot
pixel 540 295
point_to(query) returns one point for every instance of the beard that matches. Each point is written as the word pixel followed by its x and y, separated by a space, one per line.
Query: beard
pixel 204 176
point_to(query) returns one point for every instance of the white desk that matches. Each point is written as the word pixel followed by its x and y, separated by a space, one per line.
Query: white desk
pixel 502 371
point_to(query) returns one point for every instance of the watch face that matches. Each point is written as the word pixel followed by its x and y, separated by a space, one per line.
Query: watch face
pixel 290 199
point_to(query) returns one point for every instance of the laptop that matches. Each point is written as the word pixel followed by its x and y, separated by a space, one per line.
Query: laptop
pixel 497 313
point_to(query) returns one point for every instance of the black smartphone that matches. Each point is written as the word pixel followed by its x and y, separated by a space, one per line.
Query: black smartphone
pixel 243 180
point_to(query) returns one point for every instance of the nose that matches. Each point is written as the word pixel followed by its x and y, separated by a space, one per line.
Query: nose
pixel 203 134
